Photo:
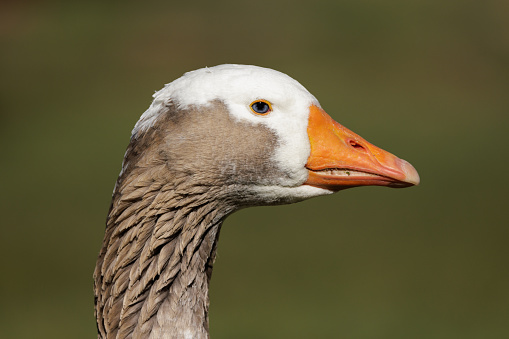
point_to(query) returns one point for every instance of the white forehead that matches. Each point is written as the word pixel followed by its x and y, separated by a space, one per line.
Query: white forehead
pixel 233 85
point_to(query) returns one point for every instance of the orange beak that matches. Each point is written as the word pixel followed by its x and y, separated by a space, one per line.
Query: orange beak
pixel 341 159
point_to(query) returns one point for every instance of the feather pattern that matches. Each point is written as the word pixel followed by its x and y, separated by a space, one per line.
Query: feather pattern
pixel 159 251
pixel 162 228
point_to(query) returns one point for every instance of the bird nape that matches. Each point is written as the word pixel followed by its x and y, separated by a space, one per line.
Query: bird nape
pixel 213 141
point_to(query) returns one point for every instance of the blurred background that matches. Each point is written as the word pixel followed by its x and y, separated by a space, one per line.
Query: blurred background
pixel 426 80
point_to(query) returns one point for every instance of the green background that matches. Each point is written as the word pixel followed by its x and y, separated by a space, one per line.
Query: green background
pixel 426 80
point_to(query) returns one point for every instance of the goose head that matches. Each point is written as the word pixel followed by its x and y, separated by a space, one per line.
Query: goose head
pixel 213 141
pixel 260 134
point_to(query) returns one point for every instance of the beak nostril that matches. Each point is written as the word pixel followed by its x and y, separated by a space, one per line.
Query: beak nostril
pixel 356 145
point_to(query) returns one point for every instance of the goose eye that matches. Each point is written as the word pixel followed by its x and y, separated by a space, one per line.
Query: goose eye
pixel 261 107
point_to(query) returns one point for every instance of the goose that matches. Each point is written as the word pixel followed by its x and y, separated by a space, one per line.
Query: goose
pixel 212 142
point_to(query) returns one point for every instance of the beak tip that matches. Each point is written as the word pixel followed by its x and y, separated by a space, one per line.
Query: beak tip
pixel 411 175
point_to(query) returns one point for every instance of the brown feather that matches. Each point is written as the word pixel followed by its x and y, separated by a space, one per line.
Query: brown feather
pixel 152 274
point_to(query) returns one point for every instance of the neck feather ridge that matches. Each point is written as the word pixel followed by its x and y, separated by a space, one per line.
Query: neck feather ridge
pixel 152 274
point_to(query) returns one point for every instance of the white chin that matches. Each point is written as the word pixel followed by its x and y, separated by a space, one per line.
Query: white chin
pixel 287 195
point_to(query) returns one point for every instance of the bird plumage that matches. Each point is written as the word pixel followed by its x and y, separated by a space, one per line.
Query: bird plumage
pixel 195 156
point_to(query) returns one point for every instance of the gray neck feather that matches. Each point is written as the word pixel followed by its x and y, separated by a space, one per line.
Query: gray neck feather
pixel 152 275
pixel 179 180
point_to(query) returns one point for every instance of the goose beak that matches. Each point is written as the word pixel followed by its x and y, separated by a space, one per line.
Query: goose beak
pixel 341 159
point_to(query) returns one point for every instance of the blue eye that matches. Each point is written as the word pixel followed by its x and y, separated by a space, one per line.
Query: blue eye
pixel 261 107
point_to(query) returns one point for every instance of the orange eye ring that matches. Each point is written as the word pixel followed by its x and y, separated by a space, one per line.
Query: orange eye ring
pixel 261 107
